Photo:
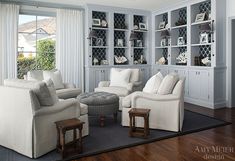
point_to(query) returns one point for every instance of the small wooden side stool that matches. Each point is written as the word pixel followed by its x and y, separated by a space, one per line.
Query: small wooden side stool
pixel 138 132
pixel 67 125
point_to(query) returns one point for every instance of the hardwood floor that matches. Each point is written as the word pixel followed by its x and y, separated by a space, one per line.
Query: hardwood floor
pixel 214 144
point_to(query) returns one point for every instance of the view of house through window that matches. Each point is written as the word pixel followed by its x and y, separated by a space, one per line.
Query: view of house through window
pixel 36 43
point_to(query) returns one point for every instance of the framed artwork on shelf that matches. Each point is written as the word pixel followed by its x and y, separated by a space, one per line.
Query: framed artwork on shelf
pixel 204 38
pixel 96 22
pixel 180 41
pixel 200 17
pixel 142 26
pixel 162 25
pixel 120 42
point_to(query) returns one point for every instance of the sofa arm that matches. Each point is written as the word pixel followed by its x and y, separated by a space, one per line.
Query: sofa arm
pixel 69 85
pixel 126 101
pixel 155 97
pixel 58 107
pixel 146 97
pixel 104 84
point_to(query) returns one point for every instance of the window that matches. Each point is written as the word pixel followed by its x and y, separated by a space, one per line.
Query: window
pixel 36 43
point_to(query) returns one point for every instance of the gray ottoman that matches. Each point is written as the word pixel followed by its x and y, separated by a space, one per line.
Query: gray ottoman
pixel 100 104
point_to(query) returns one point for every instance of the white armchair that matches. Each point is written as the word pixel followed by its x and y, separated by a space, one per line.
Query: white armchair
pixel 167 111
pixel 134 85
pixel 69 90
pixel 26 126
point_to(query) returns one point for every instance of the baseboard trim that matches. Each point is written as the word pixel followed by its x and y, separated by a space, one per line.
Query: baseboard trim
pixel 209 105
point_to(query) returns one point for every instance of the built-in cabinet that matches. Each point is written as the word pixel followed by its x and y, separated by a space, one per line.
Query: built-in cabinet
pixel 112 27
pixel 202 91
pixel 162 38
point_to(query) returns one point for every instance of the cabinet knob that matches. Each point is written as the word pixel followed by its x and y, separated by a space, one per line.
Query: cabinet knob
pixel 90 56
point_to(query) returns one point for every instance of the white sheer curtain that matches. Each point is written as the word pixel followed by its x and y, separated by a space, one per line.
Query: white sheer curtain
pixel 9 14
pixel 69 46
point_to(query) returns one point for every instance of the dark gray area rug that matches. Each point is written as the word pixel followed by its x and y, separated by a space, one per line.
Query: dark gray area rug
pixel 113 136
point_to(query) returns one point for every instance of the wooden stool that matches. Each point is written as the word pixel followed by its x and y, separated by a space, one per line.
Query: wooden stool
pixel 138 132
pixel 64 126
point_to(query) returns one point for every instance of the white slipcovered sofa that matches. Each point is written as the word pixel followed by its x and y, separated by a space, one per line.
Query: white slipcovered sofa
pixel 27 126
pixel 64 91
pixel 167 111
pixel 135 84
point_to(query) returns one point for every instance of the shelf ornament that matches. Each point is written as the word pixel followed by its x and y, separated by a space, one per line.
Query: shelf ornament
pixel 161 61
pixel 182 58
pixel 206 61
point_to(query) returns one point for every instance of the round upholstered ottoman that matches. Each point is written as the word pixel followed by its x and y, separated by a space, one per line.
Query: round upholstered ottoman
pixel 100 104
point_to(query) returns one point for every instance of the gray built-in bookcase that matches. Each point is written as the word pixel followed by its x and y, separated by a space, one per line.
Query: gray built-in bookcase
pixel 121 23
pixel 205 84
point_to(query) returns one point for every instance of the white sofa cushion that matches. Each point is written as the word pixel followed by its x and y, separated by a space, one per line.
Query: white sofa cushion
pixel 135 74
pixel 168 84
pixel 120 78
pixel 35 75
pixel 39 88
pixel 153 84
pixel 56 77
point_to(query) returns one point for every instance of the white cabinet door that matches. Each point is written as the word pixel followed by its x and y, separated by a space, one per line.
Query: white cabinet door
pixel 194 83
pixel 100 75
pixel 199 85
pixel 204 85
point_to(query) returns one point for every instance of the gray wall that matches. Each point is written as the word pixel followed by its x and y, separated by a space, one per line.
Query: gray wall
pixel 233 63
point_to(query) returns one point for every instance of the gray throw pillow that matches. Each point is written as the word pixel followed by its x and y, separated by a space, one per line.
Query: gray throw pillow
pixel 52 90
pixel 42 92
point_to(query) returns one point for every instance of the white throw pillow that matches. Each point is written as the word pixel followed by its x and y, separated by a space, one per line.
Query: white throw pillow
pixel 52 90
pixel 56 77
pixel 168 84
pixel 153 83
pixel 35 75
pixel 120 78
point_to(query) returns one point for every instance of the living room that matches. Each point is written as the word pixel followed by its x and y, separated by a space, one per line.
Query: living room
pixel 118 80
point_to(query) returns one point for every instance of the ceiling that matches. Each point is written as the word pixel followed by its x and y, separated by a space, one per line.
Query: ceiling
pixel 151 5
